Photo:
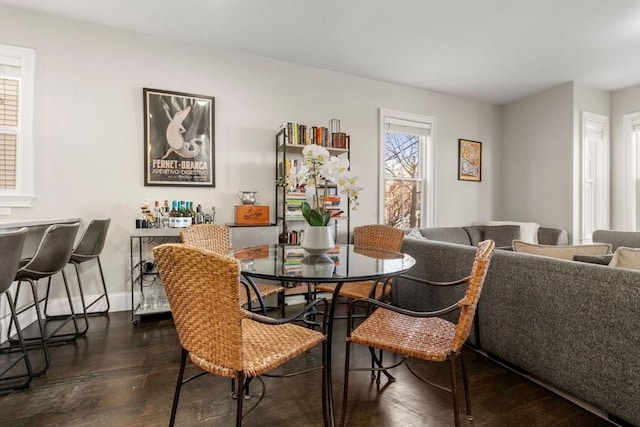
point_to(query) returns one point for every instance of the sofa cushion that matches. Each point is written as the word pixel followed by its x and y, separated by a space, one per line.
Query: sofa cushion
pixel 414 233
pixel 626 258
pixel 594 259
pixel 502 235
pixel 561 251
pixel 628 239
pixel 528 230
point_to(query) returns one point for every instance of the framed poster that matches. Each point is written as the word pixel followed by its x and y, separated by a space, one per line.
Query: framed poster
pixel 469 160
pixel 178 139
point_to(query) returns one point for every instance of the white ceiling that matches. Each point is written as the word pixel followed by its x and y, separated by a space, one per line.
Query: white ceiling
pixel 490 50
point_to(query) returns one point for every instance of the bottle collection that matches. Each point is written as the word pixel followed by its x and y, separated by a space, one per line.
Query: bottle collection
pixel 179 215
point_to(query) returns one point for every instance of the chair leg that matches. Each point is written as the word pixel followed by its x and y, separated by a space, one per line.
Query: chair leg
pixel 465 380
pixel 25 355
pixel 240 379
pixel 176 395
pixel 72 315
pixel 454 394
pixel 345 390
pixel 42 339
pixel 104 295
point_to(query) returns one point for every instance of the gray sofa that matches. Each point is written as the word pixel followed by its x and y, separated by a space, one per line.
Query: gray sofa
pixel 503 235
pixel 573 325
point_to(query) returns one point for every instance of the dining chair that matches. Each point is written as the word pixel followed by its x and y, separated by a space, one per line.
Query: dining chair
pixel 376 236
pixel 423 335
pixel 217 238
pixel 218 335
pixel 51 256
pixel 11 243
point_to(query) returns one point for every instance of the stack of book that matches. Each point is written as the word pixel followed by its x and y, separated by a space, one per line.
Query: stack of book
pixel 299 134
pixel 293 203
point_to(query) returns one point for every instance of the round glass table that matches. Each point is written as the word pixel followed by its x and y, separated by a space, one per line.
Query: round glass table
pixel 343 264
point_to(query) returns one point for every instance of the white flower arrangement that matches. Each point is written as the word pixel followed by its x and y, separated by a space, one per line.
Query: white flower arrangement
pixel 319 169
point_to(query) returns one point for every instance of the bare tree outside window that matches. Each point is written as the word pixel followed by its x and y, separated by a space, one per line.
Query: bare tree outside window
pixel 403 180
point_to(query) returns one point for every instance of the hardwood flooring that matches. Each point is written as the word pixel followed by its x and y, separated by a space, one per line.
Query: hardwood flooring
pixel 120 374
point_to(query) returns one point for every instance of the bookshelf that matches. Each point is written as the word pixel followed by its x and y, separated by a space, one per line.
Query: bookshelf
pixel 290 140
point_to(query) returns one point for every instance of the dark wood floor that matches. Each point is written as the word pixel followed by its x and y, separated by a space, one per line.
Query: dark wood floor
pixel 120 374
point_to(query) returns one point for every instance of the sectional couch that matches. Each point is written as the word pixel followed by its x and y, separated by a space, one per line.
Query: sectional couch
pixel 573 325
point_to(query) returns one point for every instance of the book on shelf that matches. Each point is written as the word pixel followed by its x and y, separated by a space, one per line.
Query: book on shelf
pixel 300 134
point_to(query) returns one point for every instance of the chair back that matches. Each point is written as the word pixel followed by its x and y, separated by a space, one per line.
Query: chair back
pixel 11 243
pixel 378 236
pixel 53 253
pixel 212 237
pixel 202 289
pixel 469 302
pixel 92 240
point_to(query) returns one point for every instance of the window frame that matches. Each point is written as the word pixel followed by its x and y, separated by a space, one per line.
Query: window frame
pixel 23 194
pixel 594 175
pixel 427 165
pixel 631 149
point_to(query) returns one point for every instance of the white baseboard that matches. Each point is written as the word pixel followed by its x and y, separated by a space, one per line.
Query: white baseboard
pixel 119 302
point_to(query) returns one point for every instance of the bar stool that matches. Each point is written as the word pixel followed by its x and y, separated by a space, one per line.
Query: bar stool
pixel 89 247
pixel 52 255
pixel 11 244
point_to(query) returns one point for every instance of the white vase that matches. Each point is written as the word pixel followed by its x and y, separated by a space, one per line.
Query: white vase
pixel 318 240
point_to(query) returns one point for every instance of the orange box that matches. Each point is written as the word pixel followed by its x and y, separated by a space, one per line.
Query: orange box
pixel 252 215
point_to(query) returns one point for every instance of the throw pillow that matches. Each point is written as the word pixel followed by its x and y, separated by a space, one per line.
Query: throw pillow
pixel 561 251
pixel 502 235
pixel 626 258
pixel 528 230
pixel 592 259
pixel 414 233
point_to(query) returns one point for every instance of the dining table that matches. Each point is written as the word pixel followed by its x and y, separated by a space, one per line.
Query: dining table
pixel 291 264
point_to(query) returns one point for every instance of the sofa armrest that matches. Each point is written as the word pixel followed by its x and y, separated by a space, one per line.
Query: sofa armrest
pixel 552 236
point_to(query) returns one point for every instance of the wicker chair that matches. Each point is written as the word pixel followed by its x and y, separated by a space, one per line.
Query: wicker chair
pixel 217 334
pixel 217 238
pixel 376 236
pixel 423 335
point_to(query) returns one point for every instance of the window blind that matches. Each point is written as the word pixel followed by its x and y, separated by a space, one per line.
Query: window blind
pixel 9 117
pixel 407 126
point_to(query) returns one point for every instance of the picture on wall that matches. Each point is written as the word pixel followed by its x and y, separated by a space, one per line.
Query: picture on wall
pixel 178 139
pixel 469 160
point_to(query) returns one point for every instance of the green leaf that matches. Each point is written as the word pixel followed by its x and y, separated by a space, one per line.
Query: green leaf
pixel 313 217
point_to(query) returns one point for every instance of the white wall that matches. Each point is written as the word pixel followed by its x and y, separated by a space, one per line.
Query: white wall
pixel 623 101
pixel 89 126
pixel 536 158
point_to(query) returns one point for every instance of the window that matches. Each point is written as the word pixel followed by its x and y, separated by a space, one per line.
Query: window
pixel 595 175
pixel 631 129
pixel 407 156
pixel 16 126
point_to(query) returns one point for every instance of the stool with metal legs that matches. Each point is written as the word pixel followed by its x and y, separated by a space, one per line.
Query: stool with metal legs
pixel 51 257
pixel 11 249
pixel 89 247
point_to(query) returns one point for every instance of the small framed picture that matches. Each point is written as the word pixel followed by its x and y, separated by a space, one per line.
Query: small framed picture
pixel 469 160
pixel 178 139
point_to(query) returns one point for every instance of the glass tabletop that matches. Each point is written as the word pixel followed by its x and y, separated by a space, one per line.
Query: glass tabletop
pixel 344 263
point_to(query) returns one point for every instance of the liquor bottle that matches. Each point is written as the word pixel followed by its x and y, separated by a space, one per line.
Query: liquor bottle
pixel 173 215
pixel 157 215
pixel 200 217
pixel 192 212
pixel 184 213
